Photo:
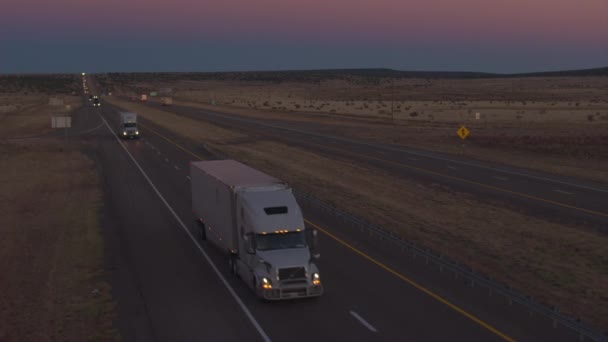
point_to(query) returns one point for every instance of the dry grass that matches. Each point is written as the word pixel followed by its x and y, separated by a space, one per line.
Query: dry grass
pixel 51 251
pixel 554 125
pixel 192 129
pixel 579 151
pixel 557 264
pixel 23 115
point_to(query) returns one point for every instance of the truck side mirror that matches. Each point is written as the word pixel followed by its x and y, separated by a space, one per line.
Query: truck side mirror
pixel 250 243
pixel 314 244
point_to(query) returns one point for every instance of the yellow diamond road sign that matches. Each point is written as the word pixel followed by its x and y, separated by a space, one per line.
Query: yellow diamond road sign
pixel 463 132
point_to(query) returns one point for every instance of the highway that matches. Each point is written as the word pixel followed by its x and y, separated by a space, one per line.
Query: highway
pixel 552 197
pixel 169 286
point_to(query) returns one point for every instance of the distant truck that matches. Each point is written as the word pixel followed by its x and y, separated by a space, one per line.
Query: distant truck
pixel 127 127
pixel 166 101
pixel 255 219
pixel 143 98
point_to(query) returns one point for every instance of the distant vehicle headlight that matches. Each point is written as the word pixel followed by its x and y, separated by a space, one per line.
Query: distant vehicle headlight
pixel 124 133
pixel 136 132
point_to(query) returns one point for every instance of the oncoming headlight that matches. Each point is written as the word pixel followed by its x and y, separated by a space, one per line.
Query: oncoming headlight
pixel 316 279
pixel 124 133
pixel 266 284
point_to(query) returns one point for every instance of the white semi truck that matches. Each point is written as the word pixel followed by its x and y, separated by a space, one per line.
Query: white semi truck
pixel 166 101
pixel 255 219
pixel 127 126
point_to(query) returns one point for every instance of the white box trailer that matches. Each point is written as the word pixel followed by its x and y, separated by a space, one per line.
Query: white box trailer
pixel 255 219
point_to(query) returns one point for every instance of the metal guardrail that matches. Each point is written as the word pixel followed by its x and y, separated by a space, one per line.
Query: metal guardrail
pixel 473 278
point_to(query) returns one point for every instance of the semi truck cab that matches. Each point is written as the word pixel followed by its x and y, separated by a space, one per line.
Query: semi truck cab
pixel 278 262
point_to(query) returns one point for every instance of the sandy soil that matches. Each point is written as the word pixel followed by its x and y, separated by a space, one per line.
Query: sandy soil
pixel 51 251
pixel 557 264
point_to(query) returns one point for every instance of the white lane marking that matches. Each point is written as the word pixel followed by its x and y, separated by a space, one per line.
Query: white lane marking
pixel 230 117
pixel 158 152
pixel 501 178
pixel 451 167
pixel 413 159
pixel 563 192
pixel 166 160
pixel 188 177
pixel 176 167
pixel 362 321
pixel 236 297
pixel 89 130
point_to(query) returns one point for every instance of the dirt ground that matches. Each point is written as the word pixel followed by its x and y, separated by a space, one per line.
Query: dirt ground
pixel 51 251
pixel 557 264
pixel 556 125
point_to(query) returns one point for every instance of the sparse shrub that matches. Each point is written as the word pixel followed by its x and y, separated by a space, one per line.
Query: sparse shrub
pixel 414 114
pixel 265 104
pixel 297 106
pixel 332 111
pixel 590 117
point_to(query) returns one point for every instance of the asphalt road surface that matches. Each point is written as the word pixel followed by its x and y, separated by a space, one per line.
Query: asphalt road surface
pixel 553 197
pixel 171 287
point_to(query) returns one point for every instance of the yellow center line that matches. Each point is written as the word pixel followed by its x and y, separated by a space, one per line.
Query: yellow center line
pixel 414 284
pixel 589 211
pixel 374 261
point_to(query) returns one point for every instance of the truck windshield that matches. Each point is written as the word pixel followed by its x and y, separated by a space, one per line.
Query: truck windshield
pixel 266 242
pixel 130 124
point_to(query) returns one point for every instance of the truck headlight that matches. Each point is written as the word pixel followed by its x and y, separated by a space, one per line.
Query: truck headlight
pixel 266 284
pixel 136 132
pixel 124 133
pixel 316 279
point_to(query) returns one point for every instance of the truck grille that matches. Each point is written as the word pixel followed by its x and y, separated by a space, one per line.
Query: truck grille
pixel 292 273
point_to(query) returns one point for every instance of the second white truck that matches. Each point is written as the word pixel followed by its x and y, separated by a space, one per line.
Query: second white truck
pixel 127 125
pixel 255 219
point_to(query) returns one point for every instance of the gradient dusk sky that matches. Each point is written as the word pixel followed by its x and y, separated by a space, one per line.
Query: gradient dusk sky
pixel 200 35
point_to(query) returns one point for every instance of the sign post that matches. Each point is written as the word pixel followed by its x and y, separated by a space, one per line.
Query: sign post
pixel 463 133
pixel 62 122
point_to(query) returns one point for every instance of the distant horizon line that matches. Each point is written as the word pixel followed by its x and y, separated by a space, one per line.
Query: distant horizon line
pixel 603 71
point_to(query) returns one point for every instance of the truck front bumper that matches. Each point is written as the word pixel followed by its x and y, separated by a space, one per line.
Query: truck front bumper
pixel 292 292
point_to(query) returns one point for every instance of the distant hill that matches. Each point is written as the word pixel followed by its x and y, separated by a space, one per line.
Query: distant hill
pixel 569 73
pixel 312 76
